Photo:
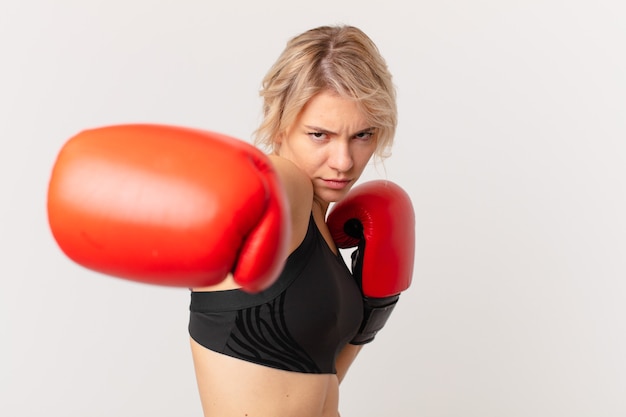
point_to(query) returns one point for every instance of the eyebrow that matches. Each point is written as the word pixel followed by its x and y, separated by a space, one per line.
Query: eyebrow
pixel 330 132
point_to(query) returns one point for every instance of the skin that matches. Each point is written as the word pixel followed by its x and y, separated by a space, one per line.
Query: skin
pixel 319 158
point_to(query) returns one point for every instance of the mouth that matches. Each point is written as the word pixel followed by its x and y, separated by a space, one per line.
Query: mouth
pixel 336 184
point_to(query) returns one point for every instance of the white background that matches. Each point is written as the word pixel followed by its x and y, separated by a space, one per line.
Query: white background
pixel 511 143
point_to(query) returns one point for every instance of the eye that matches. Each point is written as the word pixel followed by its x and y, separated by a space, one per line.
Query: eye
pixel 365 135
pixel 317 135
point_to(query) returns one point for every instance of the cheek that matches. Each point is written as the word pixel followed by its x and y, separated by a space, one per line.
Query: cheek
pixel 364 155
pixel 307 159
pixel 311 162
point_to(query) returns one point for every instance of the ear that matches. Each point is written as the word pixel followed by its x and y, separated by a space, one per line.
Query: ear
pixel 280 136
pixel 277 141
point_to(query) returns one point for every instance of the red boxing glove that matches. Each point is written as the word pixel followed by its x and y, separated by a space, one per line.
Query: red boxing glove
pixel 378 218
pixel 169 206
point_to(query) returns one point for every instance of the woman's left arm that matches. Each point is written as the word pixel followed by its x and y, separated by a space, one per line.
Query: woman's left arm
pixel 345 359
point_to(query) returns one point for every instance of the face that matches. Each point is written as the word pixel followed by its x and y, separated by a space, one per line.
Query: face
pixel 332 142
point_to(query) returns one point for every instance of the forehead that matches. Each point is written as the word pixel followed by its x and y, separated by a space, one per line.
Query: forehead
pixel 332 111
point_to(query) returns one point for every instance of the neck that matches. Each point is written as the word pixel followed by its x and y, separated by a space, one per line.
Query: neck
pixel 321 205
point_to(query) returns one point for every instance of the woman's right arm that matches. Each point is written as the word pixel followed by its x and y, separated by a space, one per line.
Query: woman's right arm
pixel 299 190
pixel 151 203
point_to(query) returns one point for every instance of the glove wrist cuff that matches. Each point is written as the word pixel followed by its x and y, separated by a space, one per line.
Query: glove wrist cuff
pixel 376 312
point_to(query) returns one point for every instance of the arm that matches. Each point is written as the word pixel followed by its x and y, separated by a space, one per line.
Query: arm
pixel 344 360
pixel 299 191
pixel 378 218
pixel 149 203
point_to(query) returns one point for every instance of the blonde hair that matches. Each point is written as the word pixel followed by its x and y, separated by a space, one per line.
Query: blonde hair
pixel 341 59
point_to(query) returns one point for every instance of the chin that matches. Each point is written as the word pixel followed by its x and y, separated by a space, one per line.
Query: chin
pixel 331 196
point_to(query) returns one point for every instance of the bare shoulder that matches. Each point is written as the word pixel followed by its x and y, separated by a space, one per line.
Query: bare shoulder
pixel 296 183
pixel 299 191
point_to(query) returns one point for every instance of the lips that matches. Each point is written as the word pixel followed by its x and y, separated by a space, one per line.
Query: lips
pixel 336 184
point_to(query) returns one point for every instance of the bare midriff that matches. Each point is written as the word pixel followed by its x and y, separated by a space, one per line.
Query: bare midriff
pixel 233 387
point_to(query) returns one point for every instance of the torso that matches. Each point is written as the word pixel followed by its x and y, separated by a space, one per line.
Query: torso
pixel 231 386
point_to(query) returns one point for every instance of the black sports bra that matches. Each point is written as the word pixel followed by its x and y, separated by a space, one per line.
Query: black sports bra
pixel 299 324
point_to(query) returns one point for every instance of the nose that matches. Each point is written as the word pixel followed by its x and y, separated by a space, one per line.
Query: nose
pixel 340 157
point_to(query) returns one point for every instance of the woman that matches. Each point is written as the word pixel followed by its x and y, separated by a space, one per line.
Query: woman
pixel 329 106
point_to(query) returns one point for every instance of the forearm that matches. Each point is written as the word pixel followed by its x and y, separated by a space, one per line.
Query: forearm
pixel 345 358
